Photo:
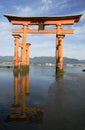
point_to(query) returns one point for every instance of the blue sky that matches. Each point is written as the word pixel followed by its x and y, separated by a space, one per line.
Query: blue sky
pixel 44 44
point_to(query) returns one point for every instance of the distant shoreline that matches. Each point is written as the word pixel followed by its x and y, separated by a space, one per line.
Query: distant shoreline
pixel 43 64
pixel 6 66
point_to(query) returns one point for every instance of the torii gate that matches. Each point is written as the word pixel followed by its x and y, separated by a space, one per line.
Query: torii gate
pixel 41 22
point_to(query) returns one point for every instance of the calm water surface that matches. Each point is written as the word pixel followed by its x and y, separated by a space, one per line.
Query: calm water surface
pixel 38 101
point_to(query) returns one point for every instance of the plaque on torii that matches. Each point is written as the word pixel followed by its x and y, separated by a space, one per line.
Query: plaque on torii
pixel 42 22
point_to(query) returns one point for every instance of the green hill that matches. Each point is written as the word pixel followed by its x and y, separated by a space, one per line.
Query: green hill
pixel 42 60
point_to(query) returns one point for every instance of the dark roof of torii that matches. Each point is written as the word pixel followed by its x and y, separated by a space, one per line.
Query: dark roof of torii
pixel 22 18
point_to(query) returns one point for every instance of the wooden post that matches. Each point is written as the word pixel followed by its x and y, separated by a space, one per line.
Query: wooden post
pixel 56 53
pixel 16 43
pixel 27 54
pixel 23 51
pixel 59 57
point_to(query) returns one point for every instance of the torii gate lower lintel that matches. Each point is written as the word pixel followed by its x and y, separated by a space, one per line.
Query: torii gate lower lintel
pixel 41 22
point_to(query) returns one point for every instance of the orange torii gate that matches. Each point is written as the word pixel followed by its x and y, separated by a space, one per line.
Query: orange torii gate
pixel 41 22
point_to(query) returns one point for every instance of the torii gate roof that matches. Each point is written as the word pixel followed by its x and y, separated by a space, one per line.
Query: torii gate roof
pixel 76 18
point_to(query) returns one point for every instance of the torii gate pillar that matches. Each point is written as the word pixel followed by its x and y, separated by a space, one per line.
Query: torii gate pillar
pixel 23 51
pixel 16 43
pixel 27 53
pixel 59 54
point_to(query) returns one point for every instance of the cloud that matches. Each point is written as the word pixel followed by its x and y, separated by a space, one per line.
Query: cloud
pixel 42 50
pixel 74 45
pixel 35 9
pixel 6 41
pixel 74 52
pixel 42 45
pixel 83 16
pixel 61 4
pixel 27 11
pixel 4 25
pixel 23 11
pixel 80 31
pixel 46 4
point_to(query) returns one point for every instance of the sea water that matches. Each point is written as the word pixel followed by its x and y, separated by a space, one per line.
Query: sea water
pixel 37 100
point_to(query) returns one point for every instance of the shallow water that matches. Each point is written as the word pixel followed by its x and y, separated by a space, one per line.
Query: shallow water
pixel 36 100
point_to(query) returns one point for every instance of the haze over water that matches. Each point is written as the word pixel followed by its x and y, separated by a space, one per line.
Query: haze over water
pixel 37 100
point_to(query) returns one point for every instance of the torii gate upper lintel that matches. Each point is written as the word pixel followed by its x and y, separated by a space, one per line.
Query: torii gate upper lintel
pixel 41 22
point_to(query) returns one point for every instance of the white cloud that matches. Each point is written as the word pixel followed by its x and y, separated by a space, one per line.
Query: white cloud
pixel 42 50
pixel 80 32
pixel 77 51
pixel 5 29
pixel 83 16
pixel 42 45
pixel 46 4
pixel 74 45
pixel 41 8
pixel 27 11
pixel 61 4
pixel 23 11
pixel 6 42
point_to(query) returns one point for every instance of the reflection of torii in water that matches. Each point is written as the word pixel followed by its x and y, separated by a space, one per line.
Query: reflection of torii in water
pixel 21 111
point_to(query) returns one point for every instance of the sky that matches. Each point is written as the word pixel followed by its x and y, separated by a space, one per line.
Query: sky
pixel 44 44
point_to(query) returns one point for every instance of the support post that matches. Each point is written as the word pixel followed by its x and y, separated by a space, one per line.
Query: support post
pixel 56 53
pixel 27 54
pixel 16 57
pixel 59 54
pixel 23 50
